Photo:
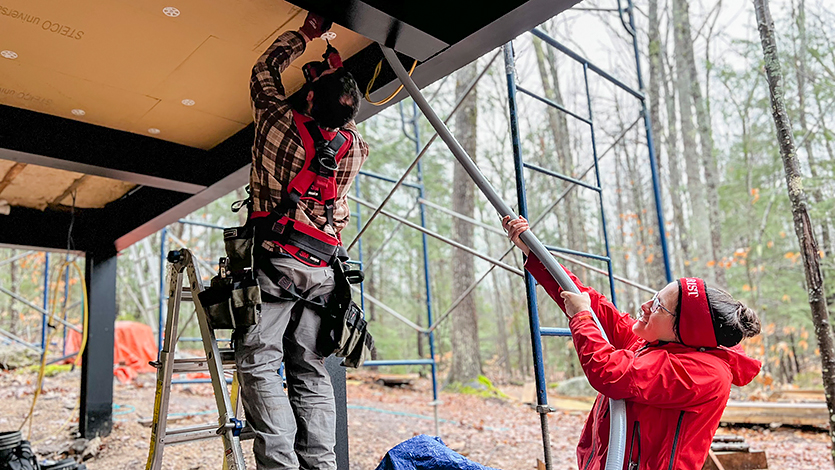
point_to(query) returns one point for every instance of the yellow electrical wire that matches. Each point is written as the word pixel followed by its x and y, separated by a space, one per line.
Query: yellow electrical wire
pixel 374 78
pixel 85 319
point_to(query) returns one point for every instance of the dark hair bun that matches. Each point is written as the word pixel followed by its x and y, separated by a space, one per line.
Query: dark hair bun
pixel 732 320
pixel 748 320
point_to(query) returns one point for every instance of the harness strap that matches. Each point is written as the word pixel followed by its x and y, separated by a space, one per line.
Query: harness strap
pixel 324 162
pixel 320 142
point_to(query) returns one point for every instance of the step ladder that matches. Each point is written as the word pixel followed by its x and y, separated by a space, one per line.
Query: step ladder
pixel 218 362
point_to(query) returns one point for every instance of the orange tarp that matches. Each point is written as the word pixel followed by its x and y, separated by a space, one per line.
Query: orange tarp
pixel 133 347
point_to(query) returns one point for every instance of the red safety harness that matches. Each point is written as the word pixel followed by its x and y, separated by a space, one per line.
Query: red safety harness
pixel 278 233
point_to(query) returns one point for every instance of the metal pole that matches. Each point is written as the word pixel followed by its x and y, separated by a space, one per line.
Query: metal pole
pixel 395 314
pixel 656 183
pixel 463 217
pixel 37 308
pixel 470 88
pixel 359 240
pixel 20 340
pixel 162 259
pixel 44 319
pixel 388 238
pixel 600 194
pixel 446 240
pixel 16 257
pixel 426 277
pixel 530 286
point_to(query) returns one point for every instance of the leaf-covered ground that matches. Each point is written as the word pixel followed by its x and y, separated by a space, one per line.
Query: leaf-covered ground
pixel 501 433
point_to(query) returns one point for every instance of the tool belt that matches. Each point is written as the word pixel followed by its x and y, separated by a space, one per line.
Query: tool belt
pixel 233 299
pixel 344 332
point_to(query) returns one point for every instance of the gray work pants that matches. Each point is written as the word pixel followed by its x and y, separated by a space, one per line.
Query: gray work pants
pixel 299 432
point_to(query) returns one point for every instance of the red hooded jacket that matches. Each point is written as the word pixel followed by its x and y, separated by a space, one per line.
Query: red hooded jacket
pixel 674 394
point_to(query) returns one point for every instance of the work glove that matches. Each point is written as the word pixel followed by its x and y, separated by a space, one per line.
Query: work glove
pixel 315 25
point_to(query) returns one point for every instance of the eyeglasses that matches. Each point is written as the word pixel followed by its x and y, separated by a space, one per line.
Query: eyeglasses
pixel 656 304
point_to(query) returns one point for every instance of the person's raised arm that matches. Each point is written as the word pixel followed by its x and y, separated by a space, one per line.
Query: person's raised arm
pixel 617 325
pixel 660 379
pixel 265 84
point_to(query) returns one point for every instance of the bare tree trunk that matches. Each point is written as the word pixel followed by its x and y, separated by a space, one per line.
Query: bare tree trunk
pixel 501 326
pixel 620 233
pixel 675 187
pixel 519 325
pixel 801 72
pixel 688 132
pixel 656 266
pixel 466 359
pixel 802 222
pixel 708 159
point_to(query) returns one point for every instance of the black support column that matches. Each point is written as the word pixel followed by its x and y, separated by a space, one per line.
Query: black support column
pixel 96 412
pixel 337 373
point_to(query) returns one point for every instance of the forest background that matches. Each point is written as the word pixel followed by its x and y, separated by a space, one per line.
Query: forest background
pixel 728 216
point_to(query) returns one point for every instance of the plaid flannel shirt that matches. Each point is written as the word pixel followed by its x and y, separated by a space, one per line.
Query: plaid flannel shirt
pixel 278 154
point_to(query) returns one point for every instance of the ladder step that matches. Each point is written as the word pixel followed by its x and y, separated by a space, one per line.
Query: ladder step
pixel 200 432
pixel 199 364
pixel 186 295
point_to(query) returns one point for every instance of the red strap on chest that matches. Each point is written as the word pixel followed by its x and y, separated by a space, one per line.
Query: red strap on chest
pixel 307 183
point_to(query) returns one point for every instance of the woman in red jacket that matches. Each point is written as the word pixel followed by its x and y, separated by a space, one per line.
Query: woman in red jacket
pixel 673 365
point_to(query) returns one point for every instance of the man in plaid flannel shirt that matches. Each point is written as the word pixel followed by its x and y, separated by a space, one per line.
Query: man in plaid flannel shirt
pixel 298 432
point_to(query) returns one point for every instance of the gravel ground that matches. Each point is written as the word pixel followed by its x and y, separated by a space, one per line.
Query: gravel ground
pixel 501 433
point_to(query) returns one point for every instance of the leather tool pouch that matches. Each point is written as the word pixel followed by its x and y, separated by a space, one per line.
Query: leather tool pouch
pixel 233 301
pixel 344 330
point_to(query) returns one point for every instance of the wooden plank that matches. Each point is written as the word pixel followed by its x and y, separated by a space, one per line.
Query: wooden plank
pixel 395 380
pixel 815 395
pixel 730 447
pixel 738 461
pixel 797 414
pixel 11 175
pixel 715 460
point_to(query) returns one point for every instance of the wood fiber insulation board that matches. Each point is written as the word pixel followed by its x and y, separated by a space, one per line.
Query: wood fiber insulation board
pixel 128 66
pixel 5 166
pixel 97 191
pixel 37 186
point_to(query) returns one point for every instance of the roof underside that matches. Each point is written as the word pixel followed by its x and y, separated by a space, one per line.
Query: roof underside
pixel 137 113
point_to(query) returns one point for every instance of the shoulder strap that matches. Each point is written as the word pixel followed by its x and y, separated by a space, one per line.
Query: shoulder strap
pixel 318 139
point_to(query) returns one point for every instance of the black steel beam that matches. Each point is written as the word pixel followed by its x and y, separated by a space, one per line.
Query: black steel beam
pixel 36 229
pixel 376 21
pixel 148 211
pixel 96 411
pixel 467 45
pixel 40 139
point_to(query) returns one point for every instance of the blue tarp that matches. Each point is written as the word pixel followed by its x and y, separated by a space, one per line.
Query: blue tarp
pixel 426 453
